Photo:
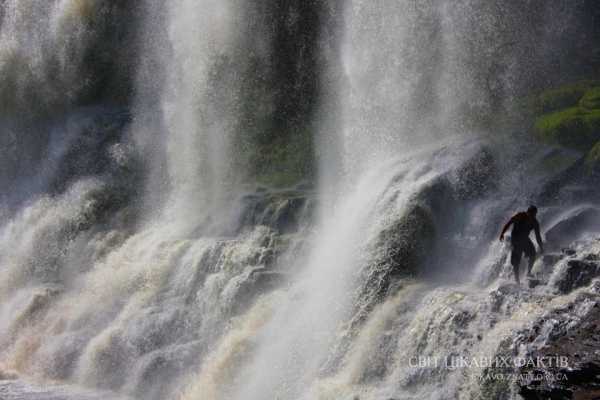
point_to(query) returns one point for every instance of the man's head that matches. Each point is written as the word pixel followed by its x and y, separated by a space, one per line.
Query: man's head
pixel 532 211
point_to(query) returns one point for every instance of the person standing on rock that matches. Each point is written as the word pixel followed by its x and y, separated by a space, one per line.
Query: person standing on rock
pixel 523 223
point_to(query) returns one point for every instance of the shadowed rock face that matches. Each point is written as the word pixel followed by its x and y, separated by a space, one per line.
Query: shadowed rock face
pixel 572 228
pixel 406 244
pixel 579 273
pixel 283 210
pixel 413 240
pixel 96 147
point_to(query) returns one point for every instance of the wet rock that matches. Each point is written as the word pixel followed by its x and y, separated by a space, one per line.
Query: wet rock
pixel 283 211
pixel 551 259
pixel 495 300
pixel 405 243
pixel 578 273
pixel 288 218
pixel 304 185
pixel 568 252
pixel 575 374
pixel 259 281
pixel 570 229
pixel 415 234
pixel 463 318
pixel 571 182
pixel 148 380
pixel 595 286
pixel 476 177
pixel 532 283
pixel 95 148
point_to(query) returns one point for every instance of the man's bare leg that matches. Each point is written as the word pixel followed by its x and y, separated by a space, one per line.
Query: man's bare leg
pixel 516 271
pixel 530 266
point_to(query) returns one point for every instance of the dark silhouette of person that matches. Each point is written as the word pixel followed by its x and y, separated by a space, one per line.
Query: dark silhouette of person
pixel 523 223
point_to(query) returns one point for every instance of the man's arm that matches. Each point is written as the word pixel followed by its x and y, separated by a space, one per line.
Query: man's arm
pixel 509 223
pixel 538 236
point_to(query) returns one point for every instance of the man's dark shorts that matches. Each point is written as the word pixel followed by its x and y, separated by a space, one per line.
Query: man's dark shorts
pixel 520 246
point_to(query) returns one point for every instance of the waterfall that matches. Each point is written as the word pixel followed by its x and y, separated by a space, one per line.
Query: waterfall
pixel 278 200
pixel 190 100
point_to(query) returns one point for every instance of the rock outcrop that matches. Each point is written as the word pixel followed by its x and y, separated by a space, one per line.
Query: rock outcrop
pixel 574 335
pixel 579 376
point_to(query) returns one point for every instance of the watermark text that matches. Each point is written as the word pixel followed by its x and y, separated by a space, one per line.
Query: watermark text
pixel 488 362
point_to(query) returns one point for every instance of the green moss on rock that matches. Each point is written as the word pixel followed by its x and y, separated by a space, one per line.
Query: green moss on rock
pixel 559 99
pixel 575 128
pixel 569 117
pixel 278 179
pixel 591 99
pixel 281 164
pixel 593 158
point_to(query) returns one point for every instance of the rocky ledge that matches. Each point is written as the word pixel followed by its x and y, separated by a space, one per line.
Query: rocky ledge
pixel 575 347
pixel 579 376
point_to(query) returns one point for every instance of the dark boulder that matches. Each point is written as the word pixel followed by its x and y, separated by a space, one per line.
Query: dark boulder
pixel 282 211
pixel 476 177
pixel 578 273
pixel 550 259
pixel 95 147
pixel 532 283
pixel 258 282
pixel 584 222
pixel 405 243
pixel 414 233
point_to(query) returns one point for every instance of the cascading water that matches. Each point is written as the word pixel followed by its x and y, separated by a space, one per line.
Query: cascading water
pixel 190 103
pixel 135 262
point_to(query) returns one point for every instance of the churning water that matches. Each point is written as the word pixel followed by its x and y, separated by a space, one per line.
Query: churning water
pixel 135 263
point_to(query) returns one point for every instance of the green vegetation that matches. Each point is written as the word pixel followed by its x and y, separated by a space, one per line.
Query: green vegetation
pixel 591 98
pixel 593 157
pixel 574 128
pixel 569 118
pixel 276 141
pixel 277 179
pixel 559 99
pixel 281 162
